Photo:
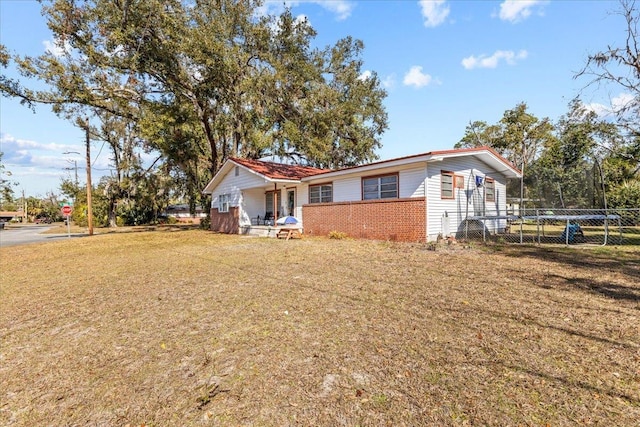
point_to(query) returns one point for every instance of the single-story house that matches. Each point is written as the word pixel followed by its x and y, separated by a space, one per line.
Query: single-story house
pixel 182 213
pixel 414 198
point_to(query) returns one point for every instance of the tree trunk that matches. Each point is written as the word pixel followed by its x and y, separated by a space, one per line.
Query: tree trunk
pixel 113 223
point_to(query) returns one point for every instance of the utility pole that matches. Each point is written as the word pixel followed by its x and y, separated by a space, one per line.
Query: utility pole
pixel 24 208
pixel 75 167
pixel 89 207
pixel 524 152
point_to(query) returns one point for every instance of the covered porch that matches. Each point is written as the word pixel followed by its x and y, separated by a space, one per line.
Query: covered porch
pixel 250 196
pixel 264 210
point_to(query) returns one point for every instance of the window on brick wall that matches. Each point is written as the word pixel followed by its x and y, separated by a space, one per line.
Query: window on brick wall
pixel 446 184
pixel 490 190
pixel 321 193
pixel 380 187
pixel 223 203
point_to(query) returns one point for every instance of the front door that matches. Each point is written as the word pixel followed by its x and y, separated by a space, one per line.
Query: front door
pixel 291 202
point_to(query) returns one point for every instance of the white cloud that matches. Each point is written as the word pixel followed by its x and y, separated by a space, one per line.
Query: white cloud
pixel 617 104
pixel 302 18
pixel 25 144
pixel 434 12
pixel 599 109
pixel 519 10
pixel 415 77
pixel 366 74
pixel 341 8
pixel 56 48
pixel 492 61
pixel 389 82
pixel 25 152
pixel 621 101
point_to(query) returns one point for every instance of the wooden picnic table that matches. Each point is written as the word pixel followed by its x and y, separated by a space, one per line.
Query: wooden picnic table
pixel 289 233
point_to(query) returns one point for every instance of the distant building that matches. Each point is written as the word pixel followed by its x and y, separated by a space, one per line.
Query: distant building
pixel 182 214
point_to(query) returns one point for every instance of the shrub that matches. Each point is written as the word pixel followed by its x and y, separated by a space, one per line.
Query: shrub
pixel 338 235
pixel 626 195
pixel 205 223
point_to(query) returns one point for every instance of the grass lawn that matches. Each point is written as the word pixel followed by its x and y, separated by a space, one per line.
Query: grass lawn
pixel 187 328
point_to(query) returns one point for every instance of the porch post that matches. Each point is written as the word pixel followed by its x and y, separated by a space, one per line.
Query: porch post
pixel 275 202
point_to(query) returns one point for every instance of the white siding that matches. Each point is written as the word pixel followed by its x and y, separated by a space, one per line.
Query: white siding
pixel 349 188
pixel 468 201
pixel 254 202
pixel 252 205
pixel 234 186
pixel 302 197
pixel 247 191
pixel 412 182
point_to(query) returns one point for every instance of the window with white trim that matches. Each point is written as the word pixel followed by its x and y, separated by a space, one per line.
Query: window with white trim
pixel 223 203
pixel 380 187
pixel 322 193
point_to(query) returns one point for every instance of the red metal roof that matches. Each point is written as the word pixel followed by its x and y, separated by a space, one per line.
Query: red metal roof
pixel 474 149
pixel 278 170
pixel 446 153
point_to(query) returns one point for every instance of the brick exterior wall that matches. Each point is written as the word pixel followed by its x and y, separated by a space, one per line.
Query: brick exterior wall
pixel 227 222
pixel 396 219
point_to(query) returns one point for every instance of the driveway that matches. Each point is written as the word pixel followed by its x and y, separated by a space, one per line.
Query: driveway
pixel 21 235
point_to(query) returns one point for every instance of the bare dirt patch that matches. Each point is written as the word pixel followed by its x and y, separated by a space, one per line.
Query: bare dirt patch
pixel 193 328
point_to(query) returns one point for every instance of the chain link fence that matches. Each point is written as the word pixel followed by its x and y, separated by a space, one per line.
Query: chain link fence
pixel 556 226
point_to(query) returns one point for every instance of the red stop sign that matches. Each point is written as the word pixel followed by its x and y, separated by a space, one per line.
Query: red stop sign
pixel 66 210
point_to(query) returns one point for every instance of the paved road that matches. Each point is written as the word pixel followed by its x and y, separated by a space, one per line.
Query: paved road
pixel 12 236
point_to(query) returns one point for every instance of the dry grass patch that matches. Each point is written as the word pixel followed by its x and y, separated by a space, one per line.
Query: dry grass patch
pixel 186 327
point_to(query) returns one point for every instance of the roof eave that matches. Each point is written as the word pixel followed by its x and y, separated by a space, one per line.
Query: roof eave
pixel 497 162
pixel 208 189
pixel 226 168
pixel 372 166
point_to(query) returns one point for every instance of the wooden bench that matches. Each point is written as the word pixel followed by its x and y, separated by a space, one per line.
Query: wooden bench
pixel 289 233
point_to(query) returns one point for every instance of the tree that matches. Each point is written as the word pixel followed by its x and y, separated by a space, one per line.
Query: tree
pixel 568 173
pixel 47 207
pixel 210 79
pixel 519 137
pixel 619 66
pixel 480 134
pixel 10 87
pixel 6 187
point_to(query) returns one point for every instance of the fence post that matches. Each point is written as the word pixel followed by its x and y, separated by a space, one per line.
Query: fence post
pixel 484 227
pixel 538 225
pixel 521 221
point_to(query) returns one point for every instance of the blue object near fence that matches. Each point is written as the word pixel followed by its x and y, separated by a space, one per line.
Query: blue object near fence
pixel 571 230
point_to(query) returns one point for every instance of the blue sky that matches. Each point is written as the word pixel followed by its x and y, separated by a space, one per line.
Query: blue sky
pixel 443 63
